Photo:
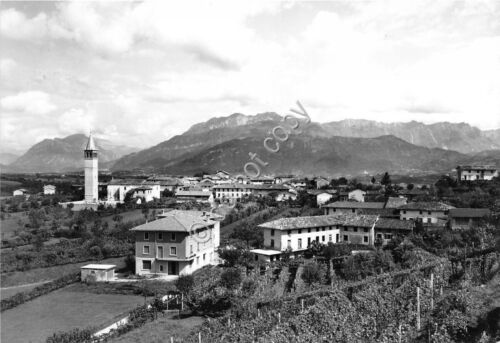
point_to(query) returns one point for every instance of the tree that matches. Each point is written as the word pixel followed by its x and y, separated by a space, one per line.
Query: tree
pixel 386 179
pixel 410 186
pixel 184 284
pixel 373 181
pixel 38 242
pixel 311 273
pixel 249 235
pixel 235 256
pixel 231 278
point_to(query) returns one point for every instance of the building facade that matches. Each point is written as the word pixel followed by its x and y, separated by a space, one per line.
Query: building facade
pixel 49 189
pixel 425 212
pixel 177 243
pixel 474 173
pixel 340 207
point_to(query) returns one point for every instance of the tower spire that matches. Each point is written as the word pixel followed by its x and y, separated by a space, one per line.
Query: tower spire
pixel 90 144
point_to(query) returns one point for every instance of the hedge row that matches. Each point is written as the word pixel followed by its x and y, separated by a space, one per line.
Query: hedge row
pixel 137 318
pixel 48 287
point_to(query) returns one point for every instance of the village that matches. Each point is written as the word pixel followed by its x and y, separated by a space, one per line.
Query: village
pixel 163 242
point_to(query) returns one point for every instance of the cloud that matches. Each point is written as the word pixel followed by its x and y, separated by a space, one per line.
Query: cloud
pixel 15 25
pixel 35 102
pixel 7 66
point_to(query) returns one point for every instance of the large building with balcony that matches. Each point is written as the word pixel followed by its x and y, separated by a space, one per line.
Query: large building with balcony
pixel 430 212
pixel 178 242
pixel 296 234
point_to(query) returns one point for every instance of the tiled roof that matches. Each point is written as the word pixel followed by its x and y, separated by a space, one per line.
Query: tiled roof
pixel 178 221
pixel 394 202
pixel 426 206
pixel 346 220
pixel 478 167
pixel 256 187
pixel 396 224
pixel 469 212
pixel 193 193
pixel 354 204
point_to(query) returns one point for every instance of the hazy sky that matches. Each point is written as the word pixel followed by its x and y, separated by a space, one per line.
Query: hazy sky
pixel 140 72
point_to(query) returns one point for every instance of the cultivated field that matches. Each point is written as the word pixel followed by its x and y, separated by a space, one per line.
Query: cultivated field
pixel 63 310
pixel 44 274
pixel 161 330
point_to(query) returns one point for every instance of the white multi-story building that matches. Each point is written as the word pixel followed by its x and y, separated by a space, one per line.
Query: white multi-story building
pixel 474 173
pixel 177 243
pixel 427 212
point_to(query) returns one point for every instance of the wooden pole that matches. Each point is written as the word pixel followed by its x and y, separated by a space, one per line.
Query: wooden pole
pixel 399 334
pixel 171 339
pixel 302 304
pixel 279 317
pixel 199 337
pixel 432 291
pixel 418 308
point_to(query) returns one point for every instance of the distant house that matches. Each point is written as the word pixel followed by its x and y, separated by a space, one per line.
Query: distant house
pixel 411 194
pixel 20 192
pixel 283 179
pixel 427 212
pixel 178 242
pixel 350 207
pixel 119 188
pixel 323 197
pixel 49 189
pixel 357 195
pixel 191 195
pixel 236 191
pixel 261 180
pixel 321 182
pixel 466 218
pixel 98 272
pixel 395 202
pixel 166 183
pixel 477 172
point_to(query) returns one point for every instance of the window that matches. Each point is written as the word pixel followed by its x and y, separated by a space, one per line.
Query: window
pixel 173 250
pixel 299 244
pixel 346 238
pixel 317 239
pixel 309 241
pixel 329 238
pixel 272 243
pixel 379 235
pixel 172 236
pixel 365 229
pixel 355 229
pixel 308 230
pixel 299 231
pixel 160 236
pixel 323 238
pixel 353 210
pixel 198 260
pixel 317 229
pixel 160 252
pixel 145 249
pixel 420 212
pixel 289 232
pixel 429 212
pixel 404 212
pixel 191 248
pixel 272 232
pixel 388 236
pixel 365 239
pixel 289 244
pixel 161 267
pixel 146 265
pixel 204 256
pixel 146 236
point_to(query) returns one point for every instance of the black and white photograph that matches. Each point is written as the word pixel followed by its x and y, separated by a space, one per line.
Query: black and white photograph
pixel 254 171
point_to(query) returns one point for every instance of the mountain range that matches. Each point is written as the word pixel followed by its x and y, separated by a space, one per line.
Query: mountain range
pixel 347 147
pixel 65 154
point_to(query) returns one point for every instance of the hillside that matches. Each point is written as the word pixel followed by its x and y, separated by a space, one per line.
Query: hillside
pixel 459 137
pixel 64 154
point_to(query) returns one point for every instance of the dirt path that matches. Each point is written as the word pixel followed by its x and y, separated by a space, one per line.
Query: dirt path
pixel 25 285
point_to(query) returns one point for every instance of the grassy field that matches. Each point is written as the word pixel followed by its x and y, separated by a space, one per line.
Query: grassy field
pixel 50 273
pixel 63 310
pixel 161 330
pixel 7 186
pixel 10 224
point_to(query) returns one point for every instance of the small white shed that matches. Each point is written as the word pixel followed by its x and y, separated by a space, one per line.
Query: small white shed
pixel 101 272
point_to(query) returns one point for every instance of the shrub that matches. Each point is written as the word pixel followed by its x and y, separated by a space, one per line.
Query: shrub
pixel 231 278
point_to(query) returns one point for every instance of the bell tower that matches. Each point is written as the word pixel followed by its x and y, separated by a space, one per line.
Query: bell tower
pixel 91 171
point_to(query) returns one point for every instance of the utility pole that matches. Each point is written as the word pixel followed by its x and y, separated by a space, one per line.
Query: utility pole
pixel 418 308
